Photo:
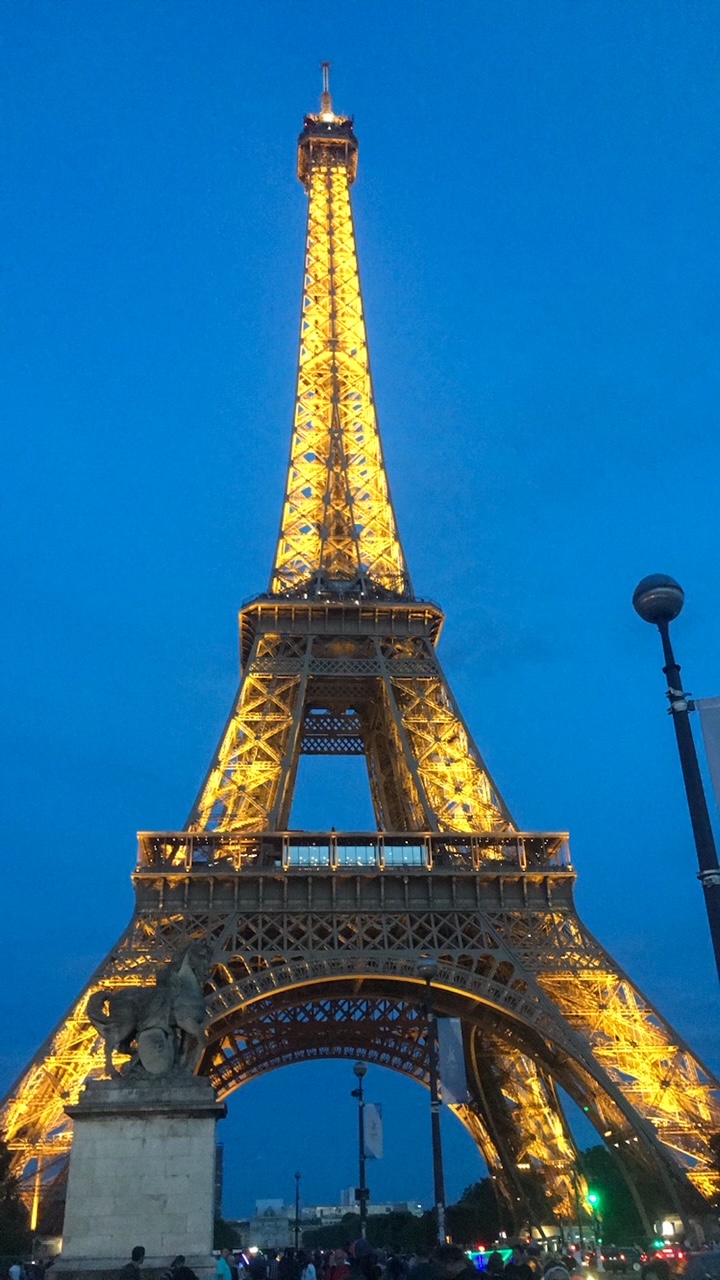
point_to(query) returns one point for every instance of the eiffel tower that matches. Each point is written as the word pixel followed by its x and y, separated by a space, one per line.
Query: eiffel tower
pixel 315 937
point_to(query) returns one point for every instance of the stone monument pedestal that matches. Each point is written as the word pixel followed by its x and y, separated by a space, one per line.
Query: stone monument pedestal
pixel 142 1172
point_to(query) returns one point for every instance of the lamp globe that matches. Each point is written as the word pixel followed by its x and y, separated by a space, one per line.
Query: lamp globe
pixel 658 598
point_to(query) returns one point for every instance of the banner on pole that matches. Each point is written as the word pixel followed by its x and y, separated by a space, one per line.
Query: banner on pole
pixel 452 1060
pixel 709 710
pixel 373 1130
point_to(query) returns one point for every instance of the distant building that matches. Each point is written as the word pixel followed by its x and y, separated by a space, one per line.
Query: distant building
pixel 273 1223
pixel 328 1215
pixel 263 1207
pixel 272 1226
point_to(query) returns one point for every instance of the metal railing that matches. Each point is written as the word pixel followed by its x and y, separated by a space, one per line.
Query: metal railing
pixel 355 852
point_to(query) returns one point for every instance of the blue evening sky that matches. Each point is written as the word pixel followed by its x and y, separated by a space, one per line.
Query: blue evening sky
pixel 537 223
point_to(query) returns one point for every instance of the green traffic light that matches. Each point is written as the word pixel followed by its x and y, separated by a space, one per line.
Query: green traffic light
pixel 593 1198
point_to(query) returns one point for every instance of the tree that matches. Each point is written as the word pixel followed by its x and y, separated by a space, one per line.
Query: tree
pixel 14 1218
pixel 620 1220
pixel 225 1235
pixel 475 1218
pixel 399 1230
pixel 335 1236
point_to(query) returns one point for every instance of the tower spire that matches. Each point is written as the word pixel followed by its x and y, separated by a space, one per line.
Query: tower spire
pixel 338 531
pixel 326 108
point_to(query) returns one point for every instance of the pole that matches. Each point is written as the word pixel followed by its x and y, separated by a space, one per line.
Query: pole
pixel 361 1192
pixel 297 1211
pixel 435 1105
pixel 709 873
pixel 599 1264
pixel 362 1187
pixel 579 1210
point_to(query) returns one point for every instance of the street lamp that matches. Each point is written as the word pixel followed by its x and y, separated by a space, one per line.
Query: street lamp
pixel 361 1193
pixel 297 1211
pixel 659 599
pixel 427 969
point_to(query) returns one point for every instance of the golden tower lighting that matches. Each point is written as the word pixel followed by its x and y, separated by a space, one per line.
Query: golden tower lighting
pixel 315 936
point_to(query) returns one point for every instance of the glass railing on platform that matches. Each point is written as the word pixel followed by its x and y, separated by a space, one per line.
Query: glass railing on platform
pixel 287 851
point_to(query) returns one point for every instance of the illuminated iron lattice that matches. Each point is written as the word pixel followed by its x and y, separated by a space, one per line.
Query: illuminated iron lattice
pixel 337 517
pixel 315 937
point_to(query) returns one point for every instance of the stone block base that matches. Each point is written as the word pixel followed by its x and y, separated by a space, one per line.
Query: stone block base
pixel 142 1172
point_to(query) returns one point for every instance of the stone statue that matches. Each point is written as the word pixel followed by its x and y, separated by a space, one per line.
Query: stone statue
pixel 161 1027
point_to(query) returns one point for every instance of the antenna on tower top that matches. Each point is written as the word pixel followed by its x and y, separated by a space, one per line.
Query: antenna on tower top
pixel 326 109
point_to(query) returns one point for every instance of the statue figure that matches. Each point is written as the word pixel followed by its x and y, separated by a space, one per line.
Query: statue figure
pixel 160 1027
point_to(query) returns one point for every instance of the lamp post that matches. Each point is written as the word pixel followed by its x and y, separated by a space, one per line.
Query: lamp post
pixel 297 1211
pixel 427 969
pixel 659 599
pixel 361 1193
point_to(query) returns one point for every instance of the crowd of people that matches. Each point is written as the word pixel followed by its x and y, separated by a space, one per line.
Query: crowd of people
pixel 34 1270
pixel 360 1261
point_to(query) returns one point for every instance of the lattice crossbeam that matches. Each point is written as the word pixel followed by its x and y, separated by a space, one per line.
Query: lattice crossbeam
pixel 241 788
pixel 523 1107
pixel 267 956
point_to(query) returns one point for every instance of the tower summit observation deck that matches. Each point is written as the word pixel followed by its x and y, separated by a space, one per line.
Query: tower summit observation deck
pixel 315 938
